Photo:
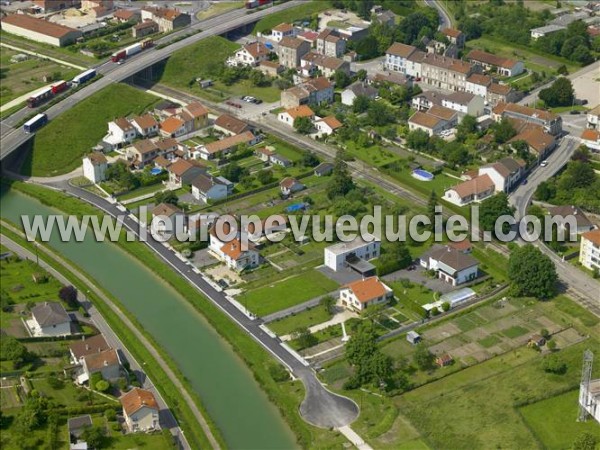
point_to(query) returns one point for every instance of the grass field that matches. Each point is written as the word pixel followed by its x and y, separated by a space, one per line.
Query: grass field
pixel 58 147
pixel 218 8
pixel 553 421
pixel 291 15
pixel 288 292
pixel 204 59
pixel 306 318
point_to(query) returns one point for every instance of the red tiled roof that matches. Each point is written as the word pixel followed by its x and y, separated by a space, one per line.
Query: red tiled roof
pixel 367 289
pixel 477 185
pixel 136 399
pixel 38 25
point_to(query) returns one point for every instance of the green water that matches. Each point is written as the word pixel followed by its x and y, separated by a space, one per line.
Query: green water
pixel 243 413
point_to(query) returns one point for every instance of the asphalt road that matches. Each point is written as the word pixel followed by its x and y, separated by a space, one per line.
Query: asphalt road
pixel 112 73
pixel 445 21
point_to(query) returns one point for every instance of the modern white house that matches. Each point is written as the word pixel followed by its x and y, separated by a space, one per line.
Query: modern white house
pixel 505 173
pixel 145 125
pixel 251 54
pixel 589 250
pixel 94 167
pixel 342 254
pixel 283 30
pixel 465 103
pixel 205 188
pixel 451 265
pixel 140 410
pixel 361 294
pixel 120 133
pixel 50 319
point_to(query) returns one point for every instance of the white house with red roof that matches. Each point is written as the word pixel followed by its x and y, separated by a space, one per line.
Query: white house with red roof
pixel 238 258
pixel 361 294
pixel 474 190
pixel 140 410
pixel 251 54
pixel 327 125
pixel 120 133
pixel 283 30
pixel 591 139
pixel 290 185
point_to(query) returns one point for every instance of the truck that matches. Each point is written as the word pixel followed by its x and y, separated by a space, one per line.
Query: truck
pixel 118 56
pixel 256 3
pixel 58 87
pixel 83 77
pixel 35 123
pixel 133 49
pixel 39 97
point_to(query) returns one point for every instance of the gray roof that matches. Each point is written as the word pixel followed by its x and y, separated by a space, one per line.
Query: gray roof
pixel 512 164
pixel 50 313
pixel 361 88
pixel 324 168
pixel 77 423
pixel 548 29
pixel 570 210
pixel 451 257
pixel 204 182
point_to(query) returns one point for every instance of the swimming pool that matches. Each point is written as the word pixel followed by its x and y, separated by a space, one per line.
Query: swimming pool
pixel 422 175
pixel 155 170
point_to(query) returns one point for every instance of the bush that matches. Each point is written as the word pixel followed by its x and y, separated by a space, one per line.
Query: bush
pixel 554 364
pixel 278 373
pixel 110 415
pixel 446 306
pixel 102 386
pixel 55 383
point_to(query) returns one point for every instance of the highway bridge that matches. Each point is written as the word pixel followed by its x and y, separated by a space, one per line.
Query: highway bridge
pixel 13 138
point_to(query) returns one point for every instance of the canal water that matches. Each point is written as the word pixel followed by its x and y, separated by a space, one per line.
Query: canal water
pixel 235 402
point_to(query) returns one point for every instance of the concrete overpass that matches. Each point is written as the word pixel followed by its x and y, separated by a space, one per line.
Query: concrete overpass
pixel 13 138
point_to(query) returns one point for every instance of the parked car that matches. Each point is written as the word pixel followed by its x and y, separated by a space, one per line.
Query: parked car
pixel 544 163
pixel 575 112
pixel 222 283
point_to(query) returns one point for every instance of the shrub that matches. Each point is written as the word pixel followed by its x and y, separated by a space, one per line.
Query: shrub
pixel 110 415
pixel 554 364
pixel 278 373
pixel 102 386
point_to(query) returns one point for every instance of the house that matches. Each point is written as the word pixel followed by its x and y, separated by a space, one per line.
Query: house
pixel 55 5
pixel 270 68
pixel 550 122
pixel 94 167
pixel 140 410
pixel 237 258
pixel 50 319
pixel 463 246
pixel 425 100
pixel 76 426
pixel 172 127
pixel 497 92
pixel 396 57
pixel 465 103
pixel 323 169
pixel 358 88
pixel 168 19
pixel 106 363
pixel 290 185
pixel 195 116
pixel 312 63
pixel 145 28
pixel 413 337
pixel 396 78
pixel 478 84
pixel 87 346
pixel 475 190
pixel 142 152
pixel 443 72
pixel 450 265
pixel 444 360
pixel 145 125
pixel 385 17
pixel 167 210
pixel 309 36
pixel 361 294
pixel 291 50
pixel 593 118
pixel 279 160
pixel 538 141
pixel 171 218
pixel 40 30
pixel 455 36
pixel 330 43
pixel 344 254
pixel 182 172
pixel 290 115
pixel 589 250
pixel 264 154
pixel 563 214
pixel 230 125
pixel 91 4
pixel 429 123
pixel 536 340
pixel 591 139
pixel 120 133
pixel 162 163
pixel 251 54
pixel 490 62
pixel 505 173
pixel 314 91
pixel 126 15
pixel 222 147
pixel 207 188
pixel 327 125
pixel 283 30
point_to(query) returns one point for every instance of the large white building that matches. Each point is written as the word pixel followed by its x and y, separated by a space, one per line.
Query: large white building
pixel 39 30
pixel 589 250
pixel 337 256
pixel 94 167
pixel 50 319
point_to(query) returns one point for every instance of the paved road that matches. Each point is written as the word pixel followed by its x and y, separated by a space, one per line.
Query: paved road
pixel 13 138
pixel 445 20
pixel 167 420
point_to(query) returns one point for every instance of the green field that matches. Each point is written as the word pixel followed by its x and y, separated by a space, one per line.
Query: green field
pixel 288 292
pixel 218 8
pixel 553 421
pixel 59 146
pixel 205 60
pixel 306 318
pixel 291 15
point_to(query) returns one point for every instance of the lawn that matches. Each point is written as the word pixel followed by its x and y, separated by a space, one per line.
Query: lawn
pixel 374 155
pixel 553 421
pixel 307 318
pixel 291 15
pixel 67 395
pixel 287 292
pixel 218 8
pixel 58 147
pixel 489 341
pixel 514 332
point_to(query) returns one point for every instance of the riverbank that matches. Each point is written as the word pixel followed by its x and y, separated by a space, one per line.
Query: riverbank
pixel 156 365
pixel 285 395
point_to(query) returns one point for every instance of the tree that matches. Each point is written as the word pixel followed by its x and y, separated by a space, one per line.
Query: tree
pixel 328 303
pixel 233 172
pixel 417 140
pixel 360 104
pixel 503 131
pixel 367 47
pixel 303 125
pixel 305 338
pixel 309 159
pixel 94 436
pixel 341 79
pixel 446 306
pixel 531 273
pixel 102 386
pixel 362 345
pixel 554 364
pixel 361 75
pixel 341 182
pixel 411 26
pixel 169 197
pixel 585 441
pixel 431 205
pixel 560 93
pixel 68 294
pixel 265 176
pixel 381 367
pixel 422 357
pixel 13 350
pixel 491 209
pixel 545 191
pixel 551 345
pixel 379 114
pixel 466 127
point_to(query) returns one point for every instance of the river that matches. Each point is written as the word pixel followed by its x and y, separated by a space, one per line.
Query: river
pixel 233 399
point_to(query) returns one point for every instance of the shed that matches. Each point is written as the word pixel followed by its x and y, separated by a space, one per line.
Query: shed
pixel 413 337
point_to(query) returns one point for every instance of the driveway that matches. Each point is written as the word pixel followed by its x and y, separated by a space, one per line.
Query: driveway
pixel 341 277
pixel 203 258
pixel 419 276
